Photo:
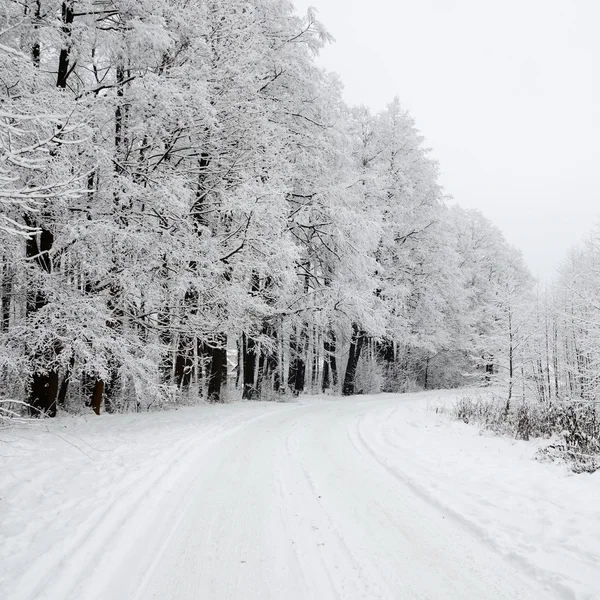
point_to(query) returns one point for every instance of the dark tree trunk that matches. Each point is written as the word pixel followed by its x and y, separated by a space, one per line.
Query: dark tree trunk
pixel 64 386
pixel 35 47
pixel 325 384
pixel 119 125
pixel 64 66
pixel 511 362
pixel 356 344
pixel 184 363
pixel 7 280
pixel 315 360
pixel 262 372
pixel 44 385
pixel 97 395
pixel 489 368
pixel 165 335
pixel 249 350
pixel 271 364
pixel 248 366
pixel 330 371
pixel 112 386
pixel 299 375
pixel 42 394
pixel 198 209
pixel 297 370
pixel 217 381
pixel 184 360
pixel 240 362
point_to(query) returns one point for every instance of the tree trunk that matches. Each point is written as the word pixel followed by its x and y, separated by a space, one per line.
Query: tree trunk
pixel 315 370
pixel 184 362
pixel 217 380
pixel 249 351
pixel 167 367
pixel 555 357
pixel 35 47
pixel 489 368
pixel 112 386
pixel 510 362
pixel 5 292
pixel 330 371
pixel 97 395
pixel 356 343
pixel 119 116
pixel 248 367
pixel 42 394
pixel 297 370
pixel 64 386
pixel 547 333
pixel 44 386
pixel 64 67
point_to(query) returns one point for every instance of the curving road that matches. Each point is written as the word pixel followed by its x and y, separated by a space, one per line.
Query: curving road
pixel 297 506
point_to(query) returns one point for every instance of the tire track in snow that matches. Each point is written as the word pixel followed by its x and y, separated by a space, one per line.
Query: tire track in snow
pixel 554 587
pixel 59 576
pixel 322 520
pixel 293 504
pixel 327 548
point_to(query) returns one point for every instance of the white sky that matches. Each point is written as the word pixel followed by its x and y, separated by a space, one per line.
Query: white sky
pixel 507 94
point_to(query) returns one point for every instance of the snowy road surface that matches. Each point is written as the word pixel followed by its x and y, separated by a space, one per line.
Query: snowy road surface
pixel 296 506
pixel 289 502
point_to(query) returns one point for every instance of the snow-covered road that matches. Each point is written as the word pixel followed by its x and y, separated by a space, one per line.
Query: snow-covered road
pixel 296 506
pixel 306 501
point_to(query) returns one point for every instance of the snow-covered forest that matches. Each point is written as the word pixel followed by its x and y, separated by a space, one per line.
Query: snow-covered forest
pixel 188 209
pixel 191 213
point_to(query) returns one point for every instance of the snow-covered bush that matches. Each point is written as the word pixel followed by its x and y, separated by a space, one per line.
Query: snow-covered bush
pixel 572 425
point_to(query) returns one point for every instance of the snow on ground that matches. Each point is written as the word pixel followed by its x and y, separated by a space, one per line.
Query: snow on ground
pixel 541 516
pixel 69 486
pixel 354 498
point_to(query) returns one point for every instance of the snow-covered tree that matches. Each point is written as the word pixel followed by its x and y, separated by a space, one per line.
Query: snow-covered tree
pixel 180 183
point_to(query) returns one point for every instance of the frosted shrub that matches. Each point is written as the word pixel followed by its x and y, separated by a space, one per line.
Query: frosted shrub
pixel 573 424
pixel 486 411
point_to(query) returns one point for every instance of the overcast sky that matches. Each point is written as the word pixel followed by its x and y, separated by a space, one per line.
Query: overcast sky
pixel 506 93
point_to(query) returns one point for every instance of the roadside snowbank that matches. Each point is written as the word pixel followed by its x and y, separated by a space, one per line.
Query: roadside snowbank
pixel 539 515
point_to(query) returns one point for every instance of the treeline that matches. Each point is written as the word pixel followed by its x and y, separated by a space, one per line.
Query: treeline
pixel 187 204
pixel 568 338
pixel 553 366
